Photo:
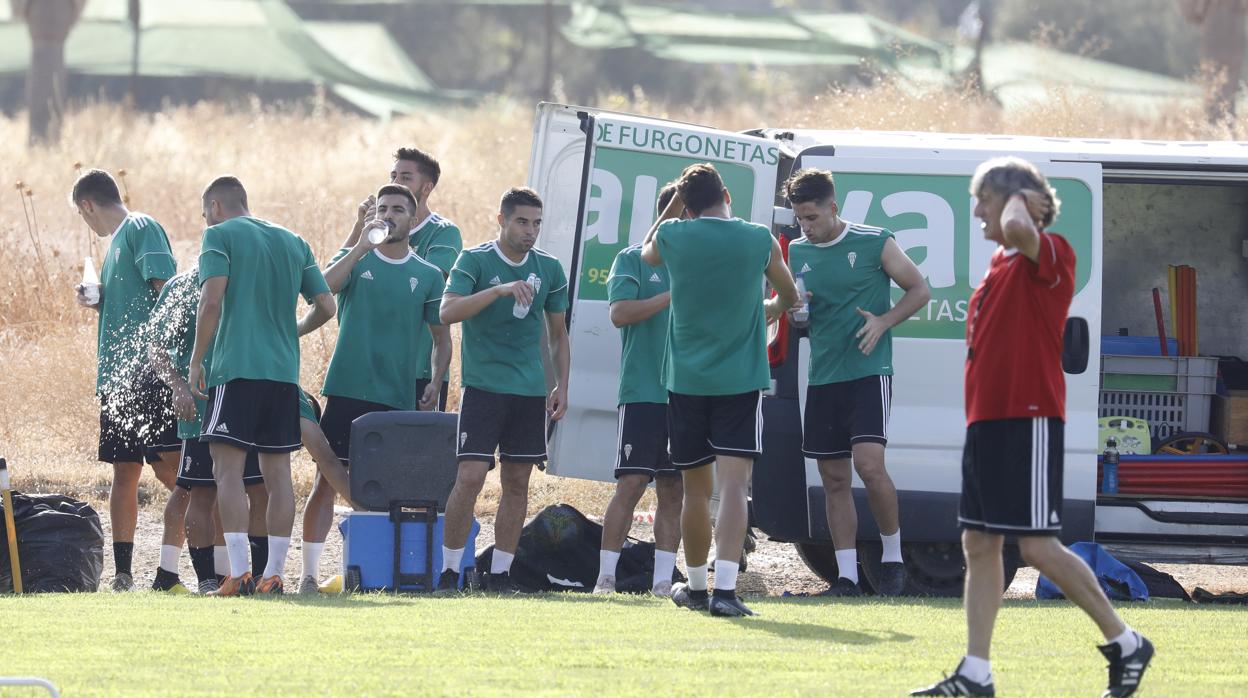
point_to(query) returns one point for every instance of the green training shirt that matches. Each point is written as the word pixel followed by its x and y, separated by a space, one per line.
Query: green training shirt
pixel 384 310
pixel 843 275
pixel 172 328
pixel 138 253
pixel 439 242
pixel 499 352
pixel 268 268
pixel 717 332
pixel 641 356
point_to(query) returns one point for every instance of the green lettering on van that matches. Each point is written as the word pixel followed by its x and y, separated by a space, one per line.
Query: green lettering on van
pixel 932 218
pixel 621 206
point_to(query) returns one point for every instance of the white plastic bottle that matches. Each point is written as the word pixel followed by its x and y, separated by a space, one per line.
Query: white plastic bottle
pixel 801 316
pixel 522 310
pixel 90 282
pixel 378 234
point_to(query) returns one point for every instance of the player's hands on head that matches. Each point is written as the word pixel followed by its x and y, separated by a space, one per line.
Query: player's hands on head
pixel 1038 205
pixel 367 208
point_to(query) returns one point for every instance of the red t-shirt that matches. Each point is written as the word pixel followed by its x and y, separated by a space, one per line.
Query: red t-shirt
pixel 1014 334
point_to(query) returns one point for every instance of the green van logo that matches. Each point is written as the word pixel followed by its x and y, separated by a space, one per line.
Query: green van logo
pixel 931 215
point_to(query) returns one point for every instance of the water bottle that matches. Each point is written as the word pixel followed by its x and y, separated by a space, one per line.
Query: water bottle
pixel 4 475
pixel 90 282
pixel 521 311
pixel 801 316
pixel 378 234
pixel 1109 467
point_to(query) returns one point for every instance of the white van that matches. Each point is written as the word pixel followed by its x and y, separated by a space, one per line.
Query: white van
pixel 1128 208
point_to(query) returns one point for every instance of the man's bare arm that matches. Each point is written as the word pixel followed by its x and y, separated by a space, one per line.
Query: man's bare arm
pixel 207 320
pixel 631 312
pixel 782 281
pixel 650 248
pixel 323 308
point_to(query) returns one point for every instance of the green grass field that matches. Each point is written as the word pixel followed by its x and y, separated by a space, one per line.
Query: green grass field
pixel 144 644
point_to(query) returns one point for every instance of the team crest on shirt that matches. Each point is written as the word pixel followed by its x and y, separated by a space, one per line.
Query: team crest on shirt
pixel 367 275
pixel 463 437
pixel 495 281
pixel 852 257
pixel 116 255
pixel 628 451
pixel 414 282
pixel 805 268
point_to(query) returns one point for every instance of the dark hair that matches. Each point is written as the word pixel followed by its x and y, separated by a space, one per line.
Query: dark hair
pixel 228 190
pixel 1006 176
pixel 518 196
pixel 700 187
pixel 809 185
pixel 398 190
pixel 426 165
pixel 96 186
pixel 665 196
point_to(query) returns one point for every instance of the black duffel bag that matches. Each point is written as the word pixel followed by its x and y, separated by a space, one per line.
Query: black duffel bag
pixel 59 541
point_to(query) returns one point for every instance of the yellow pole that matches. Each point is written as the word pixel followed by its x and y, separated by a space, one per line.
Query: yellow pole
pixel 9 527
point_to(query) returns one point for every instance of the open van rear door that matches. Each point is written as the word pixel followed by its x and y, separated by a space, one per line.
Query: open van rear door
pixel 599 174
pixel 925 202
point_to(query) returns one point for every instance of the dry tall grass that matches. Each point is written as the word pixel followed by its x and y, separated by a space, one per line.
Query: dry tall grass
pixel 307 169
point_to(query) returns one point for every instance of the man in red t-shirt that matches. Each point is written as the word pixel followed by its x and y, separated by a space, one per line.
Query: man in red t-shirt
pixel 1015 414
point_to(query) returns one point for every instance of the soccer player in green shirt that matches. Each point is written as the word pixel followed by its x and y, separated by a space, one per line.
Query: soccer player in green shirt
pixel 135 418
pixel 715 368
pixel 434 238
pixel 388 304
pixel 639 298
pixel 504 292
pixel 848 270
pixel 252 273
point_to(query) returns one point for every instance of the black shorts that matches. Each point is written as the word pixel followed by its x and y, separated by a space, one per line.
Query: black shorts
pixel 1012 476
pixel 195 469
pixel 641 446
pixel 422 383
pixel 513 425
pixel 839 415
pixel 259 414
pixel 336 421
pixel 138 423
pixel 701 427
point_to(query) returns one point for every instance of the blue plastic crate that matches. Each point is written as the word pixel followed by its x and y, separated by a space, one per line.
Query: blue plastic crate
pixel 1137 346
pixel 368 544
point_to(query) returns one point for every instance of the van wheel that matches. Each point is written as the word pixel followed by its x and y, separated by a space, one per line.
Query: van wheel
pixel 933 569
pixel 821 559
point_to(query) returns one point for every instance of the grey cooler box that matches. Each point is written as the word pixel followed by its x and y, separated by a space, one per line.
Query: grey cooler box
pixel 403 456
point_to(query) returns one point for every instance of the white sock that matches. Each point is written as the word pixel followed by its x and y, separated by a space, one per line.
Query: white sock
pixel 278 546
pixel 239 550
pixel 1129 641
pixel 607 560
pixel 664 563
pixel 726 574
pixel 976 669
pixel 892 547
pixel 220 560
pixel 169 558
pixel 312 559
pixel 452 558
pixel 847 564
pixel 697 578
pixel 500 561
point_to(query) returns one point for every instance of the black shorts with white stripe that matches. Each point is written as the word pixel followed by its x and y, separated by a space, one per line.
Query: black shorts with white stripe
pixel 1012 476
pixel 195 469
pixel 641 441
pixel 701 427
pixel 254 414
pixel 839 415
pixel 512 425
